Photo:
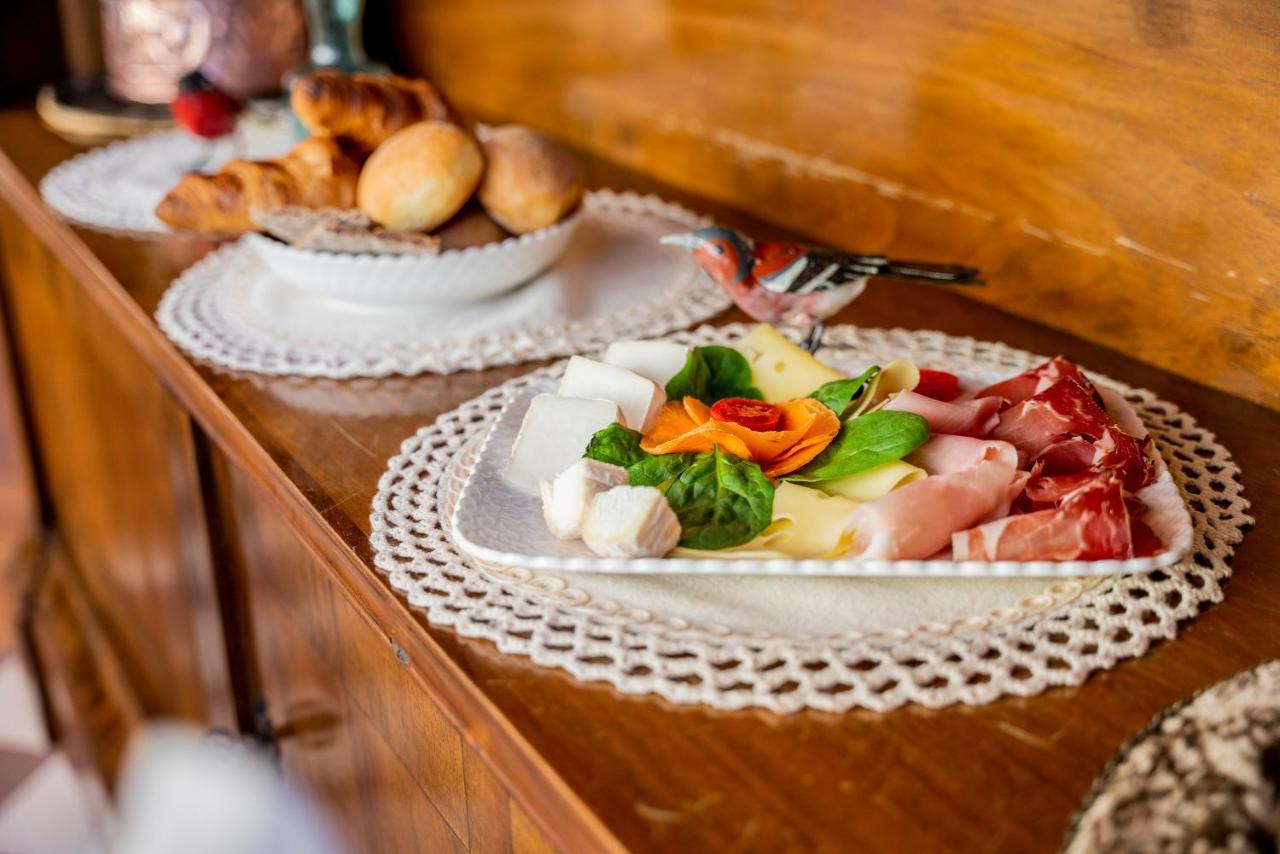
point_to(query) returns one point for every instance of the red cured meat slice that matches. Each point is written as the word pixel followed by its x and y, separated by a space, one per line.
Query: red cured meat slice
pixel 973 418
pixel 1090 523
pixel 1117 451
pixel 1019 388
pixel 1065 408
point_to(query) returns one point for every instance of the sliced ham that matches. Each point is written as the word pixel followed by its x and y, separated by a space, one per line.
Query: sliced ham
pixel 1090 523
pixel 944 454
pixel 961 418
pixel 1019 388
pixel 1065 408
pixel 917 520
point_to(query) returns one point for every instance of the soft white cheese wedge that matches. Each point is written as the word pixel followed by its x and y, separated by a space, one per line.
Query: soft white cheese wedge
pixel 657 361
pixel 637 397
pixel 630 522
pixel 566 499
pixel 553 436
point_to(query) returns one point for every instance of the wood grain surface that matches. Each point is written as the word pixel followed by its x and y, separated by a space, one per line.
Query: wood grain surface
pixel 584 765
pixel 118 478
pixel 1110 166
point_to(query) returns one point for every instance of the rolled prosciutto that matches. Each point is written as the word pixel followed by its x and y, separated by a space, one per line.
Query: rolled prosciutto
pixel 1019 388
pixel 944 454
pixel 917 520
pixel 961 418
pixel 1090 523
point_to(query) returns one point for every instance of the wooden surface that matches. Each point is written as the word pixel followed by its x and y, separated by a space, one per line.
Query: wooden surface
pixel 581 763
pixel 1110 166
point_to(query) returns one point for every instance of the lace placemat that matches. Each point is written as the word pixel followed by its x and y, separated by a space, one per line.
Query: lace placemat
pixel 116 187
pixel 794 643
pixel 614 281
pixel 1204 775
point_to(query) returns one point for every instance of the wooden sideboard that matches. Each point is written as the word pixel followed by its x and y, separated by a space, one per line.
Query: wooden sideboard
pixel 206 556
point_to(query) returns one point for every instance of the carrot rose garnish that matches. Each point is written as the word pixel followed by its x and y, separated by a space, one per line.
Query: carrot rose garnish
pixel 802 428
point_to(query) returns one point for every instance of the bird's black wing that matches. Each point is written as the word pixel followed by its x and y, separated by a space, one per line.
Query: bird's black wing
pixel 850 266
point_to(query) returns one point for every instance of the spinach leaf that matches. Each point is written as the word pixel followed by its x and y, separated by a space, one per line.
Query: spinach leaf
pixel 866 442
pixel 713 373
pixel 657 470
pixel 617 445
pixel 838 395
pixel 721 501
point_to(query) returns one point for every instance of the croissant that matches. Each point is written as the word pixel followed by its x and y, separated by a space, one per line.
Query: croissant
pixel 364 107
pixel 317 173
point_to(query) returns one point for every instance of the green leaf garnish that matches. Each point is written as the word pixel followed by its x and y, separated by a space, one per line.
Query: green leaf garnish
pixel 713 373
pixel 620 446
pixel 721 501
pixel 838 395
pixel 617 445
pixel 657 470
pixel 866 442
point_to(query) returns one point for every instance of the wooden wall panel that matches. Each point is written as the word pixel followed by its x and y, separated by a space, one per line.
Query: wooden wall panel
pixel 1111 166
pixel 116 465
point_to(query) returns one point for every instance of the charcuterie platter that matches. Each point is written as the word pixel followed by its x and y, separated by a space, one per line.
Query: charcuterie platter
pixel 758 458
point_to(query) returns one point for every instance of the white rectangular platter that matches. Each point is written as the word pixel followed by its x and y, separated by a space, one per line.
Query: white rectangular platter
pixel 495 523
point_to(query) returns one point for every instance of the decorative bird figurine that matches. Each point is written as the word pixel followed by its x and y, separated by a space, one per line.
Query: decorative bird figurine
pixel 800 285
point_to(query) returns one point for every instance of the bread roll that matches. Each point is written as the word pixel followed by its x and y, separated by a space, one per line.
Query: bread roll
pixel 420 176
pixel 531 182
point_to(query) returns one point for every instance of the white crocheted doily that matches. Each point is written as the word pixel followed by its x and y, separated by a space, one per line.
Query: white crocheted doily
pixel 788 644
pixel 1204 775
pixel 117 187
pixel 614 281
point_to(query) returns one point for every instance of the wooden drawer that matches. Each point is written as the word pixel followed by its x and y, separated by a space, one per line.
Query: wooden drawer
pixel 353 726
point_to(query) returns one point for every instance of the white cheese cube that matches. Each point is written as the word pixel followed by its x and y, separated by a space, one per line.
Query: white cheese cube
pixel 638 398
pixel 566 499
pixel 630 522
pixel 657 361
pixel 554 436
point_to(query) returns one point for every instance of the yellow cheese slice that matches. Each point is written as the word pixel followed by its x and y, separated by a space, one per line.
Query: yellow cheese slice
pixel 898 375
pixel 873 483
pixel 807 523
pixel 780 368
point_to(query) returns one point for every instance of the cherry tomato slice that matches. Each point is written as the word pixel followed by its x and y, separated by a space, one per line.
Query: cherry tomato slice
pixel 752 414
pixel 939 385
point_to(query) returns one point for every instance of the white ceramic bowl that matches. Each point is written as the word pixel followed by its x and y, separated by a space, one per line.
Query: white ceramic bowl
pixel 453 276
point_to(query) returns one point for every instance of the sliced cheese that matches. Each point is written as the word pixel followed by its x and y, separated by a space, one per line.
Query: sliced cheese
pixel 807 523
pixel 657 361
pixel 566 499
pixel 898 375
pixel 554 436
pixel 780 368
pixel 873 483
pixel 631 522
pixel 638 398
